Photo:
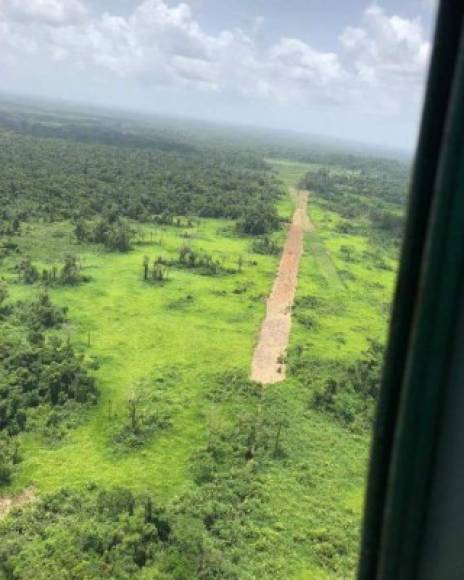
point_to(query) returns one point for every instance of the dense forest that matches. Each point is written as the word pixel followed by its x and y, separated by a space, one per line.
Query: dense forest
pixel 135 261
pixel 71 171
pixel 376 194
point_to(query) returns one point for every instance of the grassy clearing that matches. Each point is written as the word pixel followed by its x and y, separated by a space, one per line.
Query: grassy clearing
pixel 175 335
pixel 290 174
pixel 318 492
pixel 340 270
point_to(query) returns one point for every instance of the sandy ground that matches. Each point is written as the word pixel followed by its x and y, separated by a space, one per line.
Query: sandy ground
pixel 267 366
pixel 9 502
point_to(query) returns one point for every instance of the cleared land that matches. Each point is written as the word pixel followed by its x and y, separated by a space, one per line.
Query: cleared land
pixel 268 360
pixel 183 341
pixel 171 339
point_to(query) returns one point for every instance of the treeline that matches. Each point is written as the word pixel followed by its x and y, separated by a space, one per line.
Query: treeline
pixel 374 196
pixel 90 130
pixel 54 179
pixel 41 376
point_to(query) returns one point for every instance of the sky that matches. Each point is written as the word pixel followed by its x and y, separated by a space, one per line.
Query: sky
pixel 350 69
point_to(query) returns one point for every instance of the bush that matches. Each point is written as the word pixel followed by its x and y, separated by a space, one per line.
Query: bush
pixel 351 392
pixel 92 533
pixel 38 372
pixel 6 471
pixel 40 314
pixel 258 220
pixel 114 233
pixel 28 273
pixel 266 246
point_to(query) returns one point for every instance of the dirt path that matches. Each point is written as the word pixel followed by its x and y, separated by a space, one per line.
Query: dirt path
pixel 9 502
pixel 267 366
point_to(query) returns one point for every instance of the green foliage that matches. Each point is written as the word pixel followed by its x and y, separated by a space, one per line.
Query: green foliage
pixel 350 391
pixel 368 194
pixel 3 297
pixel 205 533
pixel 10 224
pixel 38 374
pixel 134 177
pixel 9 458
pixel 230 464
pixel 143 421
pixel 68 275
pixel 350 395
pixel 28 273
pixel 40 313
pixel 265 245
pixel 93 533
pixel 233 383
pixel 203 262
pixel 158 272
pixel 259 219
pixel 114 233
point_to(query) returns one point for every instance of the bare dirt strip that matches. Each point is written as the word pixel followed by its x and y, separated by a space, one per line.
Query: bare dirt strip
pixel 9 502
pixel 267 365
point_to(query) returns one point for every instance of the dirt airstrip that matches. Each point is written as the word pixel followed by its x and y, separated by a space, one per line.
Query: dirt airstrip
pixel 267 365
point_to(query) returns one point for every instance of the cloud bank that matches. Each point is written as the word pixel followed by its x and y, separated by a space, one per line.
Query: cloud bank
pixel 378 65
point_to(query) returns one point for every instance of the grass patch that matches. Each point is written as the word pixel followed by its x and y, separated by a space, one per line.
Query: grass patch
pixel 292 490
pixel 194 324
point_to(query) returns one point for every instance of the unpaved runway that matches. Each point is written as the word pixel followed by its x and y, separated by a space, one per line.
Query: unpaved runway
pixel 267 366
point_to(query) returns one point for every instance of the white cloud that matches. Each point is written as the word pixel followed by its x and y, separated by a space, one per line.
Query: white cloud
pixel 391 48
pixel 303 63
pixel 379 64
pixel 51 12
pixel 387 57
pixel 291 71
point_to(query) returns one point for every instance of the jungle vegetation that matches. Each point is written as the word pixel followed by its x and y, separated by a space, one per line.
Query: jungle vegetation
pixel 135 259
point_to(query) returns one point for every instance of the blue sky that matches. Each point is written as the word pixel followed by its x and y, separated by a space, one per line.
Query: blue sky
pixel 349 69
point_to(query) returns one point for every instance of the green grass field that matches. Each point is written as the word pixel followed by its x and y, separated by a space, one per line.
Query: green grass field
pixel 176 337
pixel 319 495
pixel 177 334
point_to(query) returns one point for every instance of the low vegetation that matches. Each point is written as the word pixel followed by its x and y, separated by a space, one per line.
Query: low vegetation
pixel 42 378
pixel 135 265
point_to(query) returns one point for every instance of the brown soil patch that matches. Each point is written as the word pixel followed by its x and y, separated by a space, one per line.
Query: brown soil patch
pixel 267 366
pixel 7 503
